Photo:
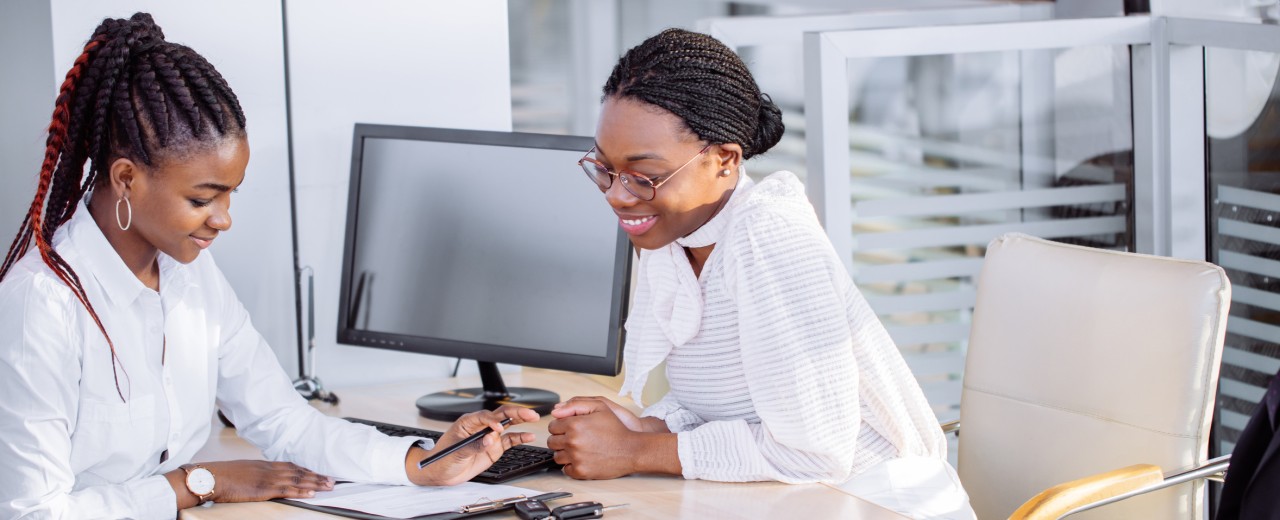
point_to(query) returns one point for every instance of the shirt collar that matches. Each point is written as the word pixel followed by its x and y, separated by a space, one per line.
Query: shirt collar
pixel 710 232
pixel 105 265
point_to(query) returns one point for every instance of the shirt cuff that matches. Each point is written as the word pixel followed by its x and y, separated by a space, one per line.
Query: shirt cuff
pixel 153 498
pixel 691 460
pixel 682 420
pixel 716 451
pixel 676 418
pixel 388 459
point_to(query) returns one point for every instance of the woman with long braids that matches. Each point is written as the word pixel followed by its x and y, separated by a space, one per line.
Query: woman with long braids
pixel 778 368
pixel 118 333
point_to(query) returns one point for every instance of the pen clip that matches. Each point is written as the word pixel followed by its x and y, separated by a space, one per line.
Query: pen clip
pixel 492 504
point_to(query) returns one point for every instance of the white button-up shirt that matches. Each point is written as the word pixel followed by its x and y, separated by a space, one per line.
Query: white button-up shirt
pixel 70 447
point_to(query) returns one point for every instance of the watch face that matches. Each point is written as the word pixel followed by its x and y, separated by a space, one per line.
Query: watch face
pixel 200 481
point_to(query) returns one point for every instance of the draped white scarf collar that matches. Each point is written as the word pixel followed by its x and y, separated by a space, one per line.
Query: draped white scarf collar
pixel 677 311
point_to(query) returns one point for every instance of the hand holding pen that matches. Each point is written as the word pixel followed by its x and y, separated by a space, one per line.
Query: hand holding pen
pixel 462 444
pixel 473 443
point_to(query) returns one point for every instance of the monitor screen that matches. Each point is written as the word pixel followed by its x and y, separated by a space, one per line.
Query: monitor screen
pixel 483 245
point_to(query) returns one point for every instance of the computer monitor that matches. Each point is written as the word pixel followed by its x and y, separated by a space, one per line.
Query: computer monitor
pixel 489 246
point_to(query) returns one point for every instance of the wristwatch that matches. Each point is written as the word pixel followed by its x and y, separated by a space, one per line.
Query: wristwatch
pixel 199 481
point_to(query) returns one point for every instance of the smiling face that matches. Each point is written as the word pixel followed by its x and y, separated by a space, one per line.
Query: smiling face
pixel 181 204
pixel 642 138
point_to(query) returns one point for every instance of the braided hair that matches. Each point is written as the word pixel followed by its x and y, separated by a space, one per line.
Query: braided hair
pixel 130 94
pixel 702 82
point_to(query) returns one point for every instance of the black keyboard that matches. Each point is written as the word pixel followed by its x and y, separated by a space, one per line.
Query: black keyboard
pixel 517 462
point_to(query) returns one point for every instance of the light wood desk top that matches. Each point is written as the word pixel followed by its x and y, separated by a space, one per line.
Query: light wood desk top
pixel 648 496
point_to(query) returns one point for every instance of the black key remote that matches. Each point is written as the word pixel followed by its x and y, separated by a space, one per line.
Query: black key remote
pixel 532 510
pixel 581 510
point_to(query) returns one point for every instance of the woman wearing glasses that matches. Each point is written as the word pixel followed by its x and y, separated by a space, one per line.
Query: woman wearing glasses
pixel 778 368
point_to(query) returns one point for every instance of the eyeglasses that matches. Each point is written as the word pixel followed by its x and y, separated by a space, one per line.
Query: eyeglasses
pixel 644 187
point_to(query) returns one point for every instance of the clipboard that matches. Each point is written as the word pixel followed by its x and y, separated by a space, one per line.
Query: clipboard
pixel 480 508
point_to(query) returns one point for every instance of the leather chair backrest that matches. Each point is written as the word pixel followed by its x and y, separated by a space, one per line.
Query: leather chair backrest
pixel 1082 361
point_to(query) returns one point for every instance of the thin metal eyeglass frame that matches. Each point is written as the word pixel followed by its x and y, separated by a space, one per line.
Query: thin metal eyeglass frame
pixel 632 175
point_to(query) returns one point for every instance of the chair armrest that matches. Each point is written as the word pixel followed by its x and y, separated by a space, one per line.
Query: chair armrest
pixel 1057 501
pixel 950 427
pixel 1105 488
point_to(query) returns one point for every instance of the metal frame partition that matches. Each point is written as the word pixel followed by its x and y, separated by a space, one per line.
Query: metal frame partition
pixel 937 346
pixel 1168 114
pixel 826 57
pixel 1171 208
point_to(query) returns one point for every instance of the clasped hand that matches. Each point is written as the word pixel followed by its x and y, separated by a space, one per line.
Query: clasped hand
pixel 596 438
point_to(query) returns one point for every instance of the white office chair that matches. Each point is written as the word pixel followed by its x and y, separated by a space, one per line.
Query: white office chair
pixel 1082 361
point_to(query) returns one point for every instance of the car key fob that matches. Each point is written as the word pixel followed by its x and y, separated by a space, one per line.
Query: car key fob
pixel 532 509
pixel 581 510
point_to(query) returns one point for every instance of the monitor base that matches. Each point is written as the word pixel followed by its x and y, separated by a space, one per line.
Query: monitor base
pixel 452 404
pixel 449 405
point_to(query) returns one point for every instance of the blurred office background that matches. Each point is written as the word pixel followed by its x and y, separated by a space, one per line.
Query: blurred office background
pixel 945 151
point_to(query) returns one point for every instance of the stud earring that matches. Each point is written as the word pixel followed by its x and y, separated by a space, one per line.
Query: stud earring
pixel 725 172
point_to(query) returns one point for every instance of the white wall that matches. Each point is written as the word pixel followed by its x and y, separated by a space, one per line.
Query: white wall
pixel 26 104
pixel 438 64
pixel 241 38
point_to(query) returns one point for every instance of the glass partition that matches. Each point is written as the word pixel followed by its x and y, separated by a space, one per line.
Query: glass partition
pixel 926 143
pixel 948 151
pixel 1242 130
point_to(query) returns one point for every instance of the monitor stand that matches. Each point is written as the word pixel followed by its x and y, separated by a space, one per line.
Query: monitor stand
pixel 452 404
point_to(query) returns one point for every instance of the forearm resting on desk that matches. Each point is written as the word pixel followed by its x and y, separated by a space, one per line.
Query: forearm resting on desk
pixel 251 481
pixel 658 453
pixel 177 480
pixel 594 457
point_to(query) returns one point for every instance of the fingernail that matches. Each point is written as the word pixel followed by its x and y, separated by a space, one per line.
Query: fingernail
pixel 310 493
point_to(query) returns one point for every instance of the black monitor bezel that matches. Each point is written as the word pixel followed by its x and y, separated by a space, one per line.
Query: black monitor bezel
pixel 610 364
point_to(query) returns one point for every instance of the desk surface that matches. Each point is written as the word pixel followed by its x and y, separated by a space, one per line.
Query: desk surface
pixel 648 496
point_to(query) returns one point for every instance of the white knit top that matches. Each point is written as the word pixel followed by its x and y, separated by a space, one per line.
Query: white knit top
pixel 779 370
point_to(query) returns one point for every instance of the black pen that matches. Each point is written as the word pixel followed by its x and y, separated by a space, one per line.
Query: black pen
pixel 458 445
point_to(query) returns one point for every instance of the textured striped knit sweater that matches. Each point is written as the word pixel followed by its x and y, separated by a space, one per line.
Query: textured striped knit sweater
pixel 779 370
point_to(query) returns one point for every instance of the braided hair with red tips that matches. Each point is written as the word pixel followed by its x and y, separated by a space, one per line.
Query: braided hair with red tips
pixel 130 94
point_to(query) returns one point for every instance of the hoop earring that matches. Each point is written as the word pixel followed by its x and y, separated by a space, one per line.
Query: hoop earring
pixel 725 172
pixel 129 208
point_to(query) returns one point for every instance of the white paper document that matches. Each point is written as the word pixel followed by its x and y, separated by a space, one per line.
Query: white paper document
pixel 411 501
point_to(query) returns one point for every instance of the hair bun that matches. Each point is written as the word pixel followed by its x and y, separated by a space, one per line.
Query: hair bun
pixel 769 127
pixel 139 32
pixel 143 28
